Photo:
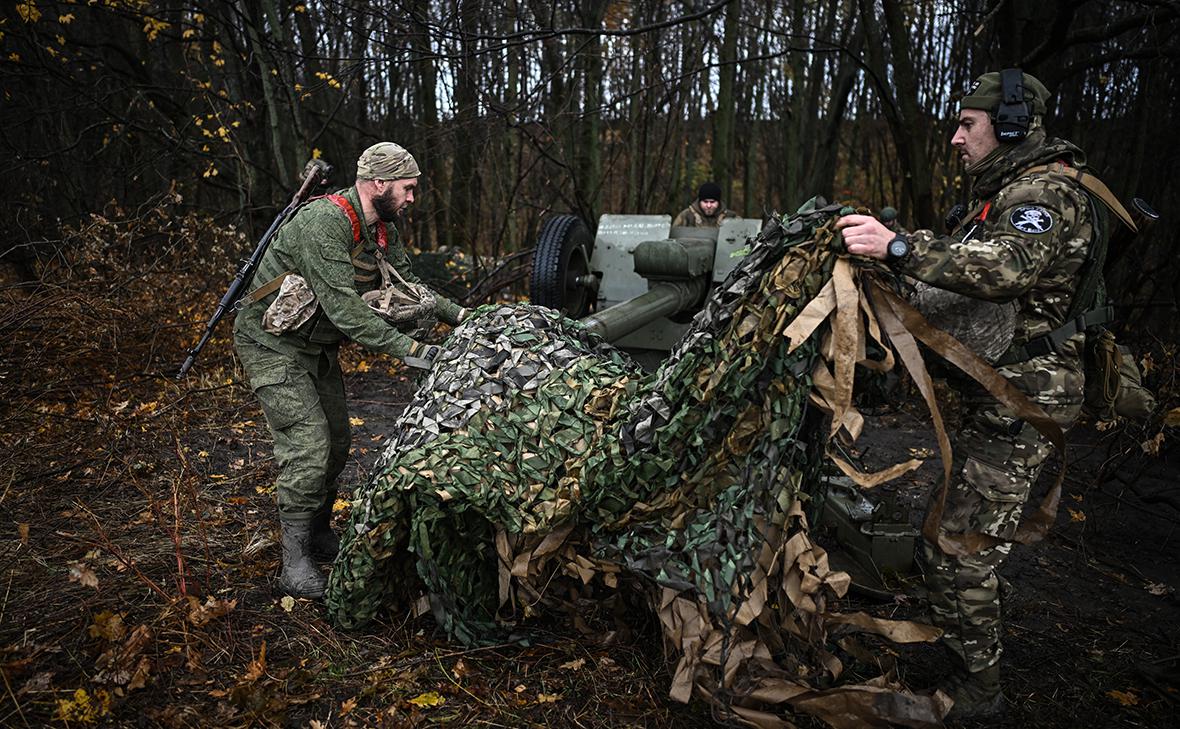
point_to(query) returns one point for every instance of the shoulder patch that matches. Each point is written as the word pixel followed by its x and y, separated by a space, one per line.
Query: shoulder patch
pixel 1031 219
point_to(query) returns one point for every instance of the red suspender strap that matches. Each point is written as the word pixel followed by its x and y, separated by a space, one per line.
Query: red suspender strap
pixel 342 202
pixel 986 209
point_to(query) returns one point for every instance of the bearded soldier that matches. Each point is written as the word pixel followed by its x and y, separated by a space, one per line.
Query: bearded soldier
pixel 707 211
pixel 288 332
pixel 1035 229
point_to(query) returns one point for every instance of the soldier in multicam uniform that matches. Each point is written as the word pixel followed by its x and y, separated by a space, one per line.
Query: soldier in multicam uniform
pixel 707 211
pixel 1026 242
pixel 332 248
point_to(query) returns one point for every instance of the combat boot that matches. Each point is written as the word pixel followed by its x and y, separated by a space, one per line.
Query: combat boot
pixel 325 545
pixel 977 695
pixel 300 577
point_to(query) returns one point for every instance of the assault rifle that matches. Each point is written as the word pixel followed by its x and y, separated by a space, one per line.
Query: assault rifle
pixel 315 174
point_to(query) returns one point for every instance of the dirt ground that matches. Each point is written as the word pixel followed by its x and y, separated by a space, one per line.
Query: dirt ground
pixel 1091 613
pixel 137 552
pixel 1090 633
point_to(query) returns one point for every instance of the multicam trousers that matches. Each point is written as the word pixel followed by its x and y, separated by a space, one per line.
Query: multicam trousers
pixel 302 396
pixel 997 461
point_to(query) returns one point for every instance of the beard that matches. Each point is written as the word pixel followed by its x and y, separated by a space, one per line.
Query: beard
pixel 386 208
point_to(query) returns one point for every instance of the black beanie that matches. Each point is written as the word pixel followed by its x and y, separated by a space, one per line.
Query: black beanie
pixel 709 191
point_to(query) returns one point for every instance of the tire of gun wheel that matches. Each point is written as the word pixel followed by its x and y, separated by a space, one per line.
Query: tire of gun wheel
pixel 562 239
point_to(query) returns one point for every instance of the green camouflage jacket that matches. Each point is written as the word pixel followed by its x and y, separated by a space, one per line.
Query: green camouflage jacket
pixel 317 244
pixel 692 217
pixel 1026 241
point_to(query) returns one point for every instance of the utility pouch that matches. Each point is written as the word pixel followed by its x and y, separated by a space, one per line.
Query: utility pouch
pixel 1114 386
pixel 292 308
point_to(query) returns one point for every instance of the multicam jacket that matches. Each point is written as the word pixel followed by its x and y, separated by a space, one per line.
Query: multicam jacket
pixel 1025 241
pixel 692 217
pixel 318 245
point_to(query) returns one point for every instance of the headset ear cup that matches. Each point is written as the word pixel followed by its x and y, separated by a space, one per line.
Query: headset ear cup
pixel 1011 119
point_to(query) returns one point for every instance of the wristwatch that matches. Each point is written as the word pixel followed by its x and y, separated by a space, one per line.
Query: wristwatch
pixel 897 250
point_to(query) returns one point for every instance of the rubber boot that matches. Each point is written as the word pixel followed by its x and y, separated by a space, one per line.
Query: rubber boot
pixel 300 577
pixel 977 695
pixel 325 545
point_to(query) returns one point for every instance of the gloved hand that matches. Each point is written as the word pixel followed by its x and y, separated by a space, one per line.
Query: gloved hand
pixel 423 356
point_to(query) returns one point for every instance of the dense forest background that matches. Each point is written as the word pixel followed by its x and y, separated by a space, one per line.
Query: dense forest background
pixel 520 108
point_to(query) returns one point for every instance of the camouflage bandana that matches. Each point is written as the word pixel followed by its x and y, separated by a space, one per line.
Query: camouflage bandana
pixel 1001 167
pixel 386 161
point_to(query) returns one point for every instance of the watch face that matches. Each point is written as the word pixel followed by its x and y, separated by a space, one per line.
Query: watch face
pixel 898 248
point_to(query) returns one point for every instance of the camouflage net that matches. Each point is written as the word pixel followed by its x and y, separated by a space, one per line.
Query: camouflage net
pixel 538 466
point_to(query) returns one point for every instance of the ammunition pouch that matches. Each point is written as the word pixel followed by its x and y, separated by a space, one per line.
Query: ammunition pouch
pixel 1114 386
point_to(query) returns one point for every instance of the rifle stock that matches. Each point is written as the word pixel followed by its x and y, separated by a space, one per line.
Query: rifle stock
pixel 315 174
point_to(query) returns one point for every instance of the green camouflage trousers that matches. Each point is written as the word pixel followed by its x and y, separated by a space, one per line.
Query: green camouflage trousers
pixel 302 396
pixel 997 460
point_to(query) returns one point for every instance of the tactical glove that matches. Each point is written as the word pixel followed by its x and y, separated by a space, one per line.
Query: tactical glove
pixel 423 356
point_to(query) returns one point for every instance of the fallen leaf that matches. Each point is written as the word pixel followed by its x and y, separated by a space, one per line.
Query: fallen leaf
pixel 1075 515
pixel 1172 419
pixel 356 421
pixel 1151 446
pixel 428 699
pixel 574 665
pixel 84 708
pixel 108 626
pixel 520 688
pixel 548 698
pixel 257 666
pixel 288 603
pixel 204 613
pixel 347 706
pixel 1126 698
pixel 124 664
pixel 82 574
pixel 23 530
pixel 1159 588
pixel 340 505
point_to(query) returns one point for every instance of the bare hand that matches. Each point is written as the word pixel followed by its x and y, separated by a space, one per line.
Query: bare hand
pixel 864 235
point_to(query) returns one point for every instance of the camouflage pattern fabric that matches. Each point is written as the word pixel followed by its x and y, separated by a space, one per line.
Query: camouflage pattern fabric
pixel 1029 250
pixel 386 161
pixel 317 245
pixel 302 398
pixel 295 373
pixel 538 469
pixel 985 327
pixel 292 308
pixel 692 217
pixel 407 305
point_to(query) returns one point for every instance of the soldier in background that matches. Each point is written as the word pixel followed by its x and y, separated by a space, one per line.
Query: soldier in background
pixel 288 334
pixel 707 211
pixel 1026 242
pixel 888 217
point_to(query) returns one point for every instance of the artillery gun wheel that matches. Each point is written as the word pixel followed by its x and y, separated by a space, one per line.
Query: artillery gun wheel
pixel 561 267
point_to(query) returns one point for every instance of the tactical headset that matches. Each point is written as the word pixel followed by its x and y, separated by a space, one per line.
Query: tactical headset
pixel 1012 117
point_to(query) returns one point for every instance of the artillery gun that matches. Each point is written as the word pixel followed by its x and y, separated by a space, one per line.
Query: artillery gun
pixel 637 282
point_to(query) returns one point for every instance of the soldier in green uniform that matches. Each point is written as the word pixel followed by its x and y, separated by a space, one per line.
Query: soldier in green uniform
pixel 331 250
pixel 1027 242
pixel 707 211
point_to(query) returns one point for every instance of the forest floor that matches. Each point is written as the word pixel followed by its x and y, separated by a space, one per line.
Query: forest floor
pixel 138 557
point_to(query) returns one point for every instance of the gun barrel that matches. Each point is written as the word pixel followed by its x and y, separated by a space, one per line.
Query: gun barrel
pixel 663 299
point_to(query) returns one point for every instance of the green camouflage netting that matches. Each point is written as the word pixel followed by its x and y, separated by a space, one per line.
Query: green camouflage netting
pixel 537 464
